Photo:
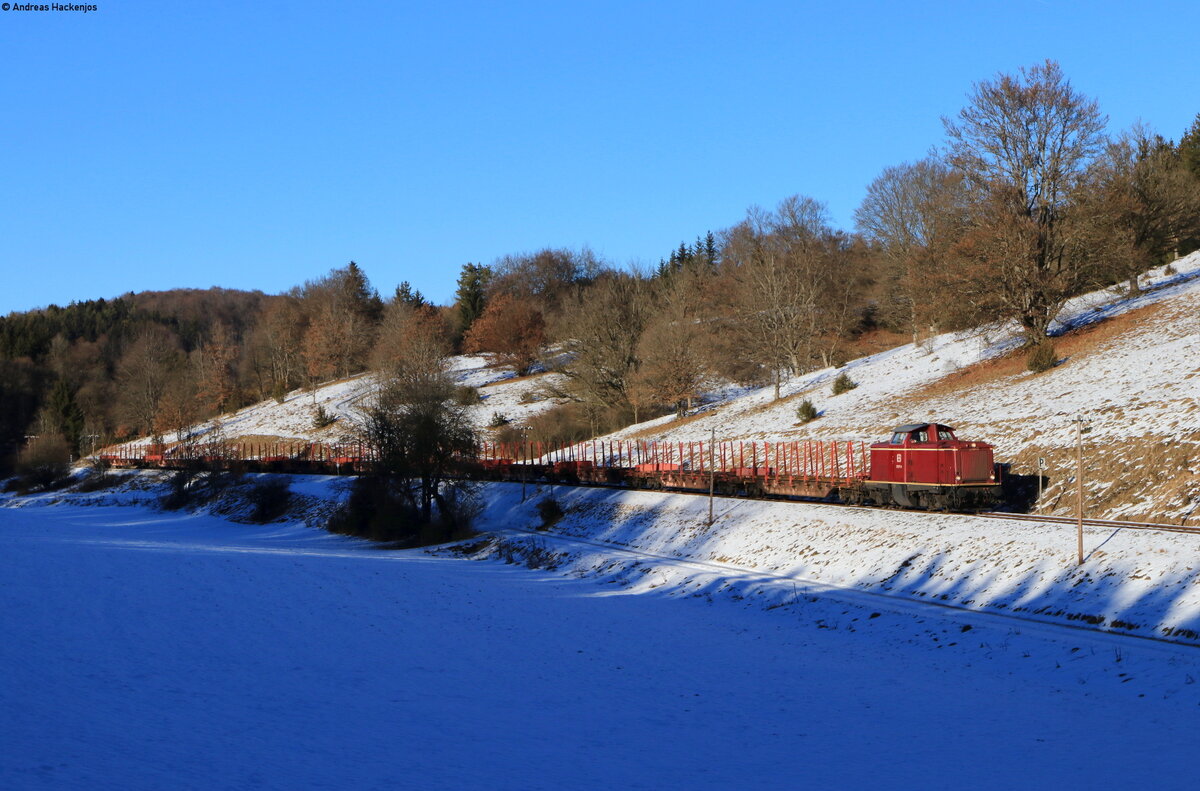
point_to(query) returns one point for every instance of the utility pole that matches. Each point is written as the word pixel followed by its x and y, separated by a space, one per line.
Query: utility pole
pixel 1041 465
pixel 712 474
pixel 1080 428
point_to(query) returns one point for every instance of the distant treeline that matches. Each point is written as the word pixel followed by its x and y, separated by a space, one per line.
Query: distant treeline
pixel 1027 203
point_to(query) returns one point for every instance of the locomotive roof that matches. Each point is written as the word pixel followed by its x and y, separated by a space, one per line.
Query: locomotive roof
pixel 917 426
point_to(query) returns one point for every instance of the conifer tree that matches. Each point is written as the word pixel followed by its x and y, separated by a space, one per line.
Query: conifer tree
pixel 1189 148
pixel 471 295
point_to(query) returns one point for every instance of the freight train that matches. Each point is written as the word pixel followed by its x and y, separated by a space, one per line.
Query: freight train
pixel 922 465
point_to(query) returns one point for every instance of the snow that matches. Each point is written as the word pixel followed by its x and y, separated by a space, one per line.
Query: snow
pixel 146 650
pixel 633 645
pixel 345 399
pixel 1141 583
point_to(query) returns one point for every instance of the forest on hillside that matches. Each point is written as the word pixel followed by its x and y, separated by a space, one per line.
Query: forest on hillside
pixel 1027 201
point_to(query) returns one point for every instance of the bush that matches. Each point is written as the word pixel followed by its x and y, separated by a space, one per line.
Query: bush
pixel 1042 357
pixel 321 418
pixel 270 499
pixel 550 512
pixel 498 419
pixel 378 510
pixel 98 480
pixel 192 487
pixel 375 511
pixel 529 397
pixel 466 395
pixel 843 384
pixel 181 491
pixel 806 412
pixel 45 463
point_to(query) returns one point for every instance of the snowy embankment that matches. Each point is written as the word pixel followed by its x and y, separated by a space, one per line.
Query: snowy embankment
pixel 1132 582
pixel 1130 366
pixel 150 650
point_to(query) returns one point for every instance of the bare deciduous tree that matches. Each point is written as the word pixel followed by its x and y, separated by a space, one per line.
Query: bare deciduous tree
pixel 908 213
pixel 1023 144
pixel 673 364
pixel 143 376
pixel 600 343
pixel 794 291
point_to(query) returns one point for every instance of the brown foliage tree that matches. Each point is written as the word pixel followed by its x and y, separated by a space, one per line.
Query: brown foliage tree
pixel 511 328
pixel 672 366
pixel 343 313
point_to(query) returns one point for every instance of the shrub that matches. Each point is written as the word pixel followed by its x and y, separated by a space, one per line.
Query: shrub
pixel 806 412
pixel 270 499
pixel 498 419
pixel 843 384
pixel 98 480
pixel 321 418
pixel 378 509
pixel 529 397
pixel 45 463
pixel 466 395
pixel 181 491
pixel 550 512
pixel 1042 357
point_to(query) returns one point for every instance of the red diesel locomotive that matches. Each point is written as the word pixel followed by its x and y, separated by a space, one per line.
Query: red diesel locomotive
pixel 925 466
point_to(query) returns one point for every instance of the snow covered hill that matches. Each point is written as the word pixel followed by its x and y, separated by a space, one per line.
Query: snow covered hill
pixel 1129 366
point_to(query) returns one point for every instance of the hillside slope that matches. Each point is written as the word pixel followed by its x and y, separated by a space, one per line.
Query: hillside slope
pixel 1129 365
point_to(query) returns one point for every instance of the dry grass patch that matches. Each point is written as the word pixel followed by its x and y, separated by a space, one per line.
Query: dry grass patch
pixel 654 431
pixel 1079 343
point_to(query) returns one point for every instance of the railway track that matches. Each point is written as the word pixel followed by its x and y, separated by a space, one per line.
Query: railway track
pixel 1106 523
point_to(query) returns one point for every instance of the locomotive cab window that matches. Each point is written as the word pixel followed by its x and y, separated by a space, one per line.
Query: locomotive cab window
pixel 945 434
pixel 921 436
pixel 898 438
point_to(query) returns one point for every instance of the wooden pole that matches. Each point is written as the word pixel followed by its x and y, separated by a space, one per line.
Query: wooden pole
pixel 712 478
pixel 1079 489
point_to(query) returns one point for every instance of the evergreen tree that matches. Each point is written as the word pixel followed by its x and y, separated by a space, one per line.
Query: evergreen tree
pixel 471 295
pixel 407 295
pixel 1189 148
pixel 64 414
pixel 710 250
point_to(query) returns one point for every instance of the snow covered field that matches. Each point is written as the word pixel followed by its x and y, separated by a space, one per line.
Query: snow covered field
pixel 150 650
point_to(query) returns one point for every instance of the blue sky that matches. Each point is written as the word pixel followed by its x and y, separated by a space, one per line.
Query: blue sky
pixel 152 145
